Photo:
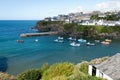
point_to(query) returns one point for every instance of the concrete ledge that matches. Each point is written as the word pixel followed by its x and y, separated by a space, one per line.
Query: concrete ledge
pixel 37 34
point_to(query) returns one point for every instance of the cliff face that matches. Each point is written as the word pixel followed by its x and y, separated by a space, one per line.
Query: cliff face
pixel 45 26
pixel 75 30
pixel 114 35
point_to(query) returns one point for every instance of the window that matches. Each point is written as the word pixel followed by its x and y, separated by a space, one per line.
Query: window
pixel 93 71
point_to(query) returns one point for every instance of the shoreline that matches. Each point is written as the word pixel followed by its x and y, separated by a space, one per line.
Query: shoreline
pixel 79 31
pixel 45 66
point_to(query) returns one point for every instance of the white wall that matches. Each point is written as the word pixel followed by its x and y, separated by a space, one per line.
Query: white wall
pixel 90 70
pixel 98 73
pixel 102 75
pixel 87 23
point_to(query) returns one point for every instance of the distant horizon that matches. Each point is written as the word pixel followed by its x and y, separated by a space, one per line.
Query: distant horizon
pixel 37 10
pixel 49 16
pixel 19 20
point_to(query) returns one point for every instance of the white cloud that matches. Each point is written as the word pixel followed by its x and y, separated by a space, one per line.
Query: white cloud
pixel 102 5
pixel 108 5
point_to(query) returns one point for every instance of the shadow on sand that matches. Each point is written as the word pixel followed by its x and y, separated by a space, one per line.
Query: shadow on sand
pixel 3 64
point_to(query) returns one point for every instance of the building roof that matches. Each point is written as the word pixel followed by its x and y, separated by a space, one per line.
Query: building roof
pixel 89 21
pixel 111 67
pixel 109 22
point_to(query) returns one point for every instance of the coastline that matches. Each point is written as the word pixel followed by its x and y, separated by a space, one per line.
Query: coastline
pixel 40 52
pixel 79 31
pixel 45 66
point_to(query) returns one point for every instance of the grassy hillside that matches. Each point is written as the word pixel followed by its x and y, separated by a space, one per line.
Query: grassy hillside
pixel 57 71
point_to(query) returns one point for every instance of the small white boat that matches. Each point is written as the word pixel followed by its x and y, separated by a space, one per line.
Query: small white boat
pixel 97 40
pixel 60 37
pixel 74 44
pixel 90 44
pixel 58 40
pixel 82 40
pixel 72 39
pixel 36 40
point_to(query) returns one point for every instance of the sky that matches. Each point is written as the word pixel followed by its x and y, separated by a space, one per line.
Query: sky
pixel 39 9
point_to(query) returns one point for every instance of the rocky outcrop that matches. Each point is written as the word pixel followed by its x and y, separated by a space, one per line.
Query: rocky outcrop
pixel 79 31
pixel 114 35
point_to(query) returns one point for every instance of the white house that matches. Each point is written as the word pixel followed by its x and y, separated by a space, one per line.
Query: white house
pixel 93 71
pixel 67 20
pixel 109 69
pixel 100 22
pixel 106 23
pixel 109 23
pixel 47 19
pixel 54 19
pixel 101 15
pixel 88 22
pixel 117 22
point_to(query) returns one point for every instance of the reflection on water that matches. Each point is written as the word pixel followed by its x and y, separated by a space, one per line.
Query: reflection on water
pixel 3 64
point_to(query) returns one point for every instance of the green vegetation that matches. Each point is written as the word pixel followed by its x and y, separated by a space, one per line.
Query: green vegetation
pixel 109 17
pixel 44 67
pixel 112 17
pixel 30 75
pixel 58 71
pixel 59 78
pixel 84 67
pixel 5 76
pixel 75 30
pixel 98 60
pixel 87 78
pixel 95 17
pixel 45 23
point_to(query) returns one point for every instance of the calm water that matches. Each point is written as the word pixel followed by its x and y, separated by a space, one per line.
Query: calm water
pixel 17 57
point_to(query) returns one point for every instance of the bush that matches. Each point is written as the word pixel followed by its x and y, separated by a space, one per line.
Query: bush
pixel 86 78
pixel 58 69
pixel 59 78
pixel 30 75
pixel 44 67
pixel 84 67
pixel 98 60
pixel 5 76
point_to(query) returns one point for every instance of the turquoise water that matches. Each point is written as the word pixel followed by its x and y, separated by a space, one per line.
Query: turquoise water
pixel 18 57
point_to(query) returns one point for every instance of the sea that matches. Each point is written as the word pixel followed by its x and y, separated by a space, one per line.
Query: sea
pixel 18 57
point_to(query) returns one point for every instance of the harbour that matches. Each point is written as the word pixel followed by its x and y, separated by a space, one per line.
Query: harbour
pixel 32 54
pixel 37 34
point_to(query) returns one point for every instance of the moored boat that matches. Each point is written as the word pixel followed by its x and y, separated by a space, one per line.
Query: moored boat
pixel 82 40
pixel 60 37
pixel 97 40
pixel 58 40
pixel 105 42
pixel 72 39
pixel 108 40
pixel 74 44
pixel 19 41
pixel 36 40
pixel 90 44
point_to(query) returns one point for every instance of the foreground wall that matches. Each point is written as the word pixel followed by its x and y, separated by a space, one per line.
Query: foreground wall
pixel 98 73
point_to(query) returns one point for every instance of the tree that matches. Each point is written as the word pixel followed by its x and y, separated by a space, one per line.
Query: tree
pixel 94 17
